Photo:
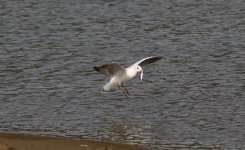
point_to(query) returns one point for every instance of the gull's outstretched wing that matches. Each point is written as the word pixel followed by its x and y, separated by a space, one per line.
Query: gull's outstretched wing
pixel 110 70
pixel 147 60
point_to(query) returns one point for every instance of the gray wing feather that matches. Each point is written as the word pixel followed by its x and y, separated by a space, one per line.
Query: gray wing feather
pixel 110 69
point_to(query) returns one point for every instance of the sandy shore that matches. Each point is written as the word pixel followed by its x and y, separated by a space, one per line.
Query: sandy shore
pixel 31 142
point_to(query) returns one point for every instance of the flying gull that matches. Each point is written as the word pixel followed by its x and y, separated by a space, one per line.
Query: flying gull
pixel 119 75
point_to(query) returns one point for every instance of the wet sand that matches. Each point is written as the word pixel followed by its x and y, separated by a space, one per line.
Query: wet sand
pixel 31 142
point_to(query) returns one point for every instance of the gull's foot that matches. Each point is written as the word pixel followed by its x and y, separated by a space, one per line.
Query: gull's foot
pixel 125 91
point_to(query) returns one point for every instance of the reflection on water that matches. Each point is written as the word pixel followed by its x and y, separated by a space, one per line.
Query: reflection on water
pixel 192 99
pixel 129 134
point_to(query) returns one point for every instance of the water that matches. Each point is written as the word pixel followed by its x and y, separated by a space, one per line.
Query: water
pixel 192 98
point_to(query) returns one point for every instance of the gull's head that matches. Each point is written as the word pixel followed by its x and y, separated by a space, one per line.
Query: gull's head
pixel 139 69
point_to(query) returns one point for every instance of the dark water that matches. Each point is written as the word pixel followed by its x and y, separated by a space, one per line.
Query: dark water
pixel 191 99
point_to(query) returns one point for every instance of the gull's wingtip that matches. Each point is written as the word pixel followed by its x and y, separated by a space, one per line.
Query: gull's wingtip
pixel 153 57
pixel 148 60
pixel 157 57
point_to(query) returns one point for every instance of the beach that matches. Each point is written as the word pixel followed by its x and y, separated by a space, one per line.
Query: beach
pixel 10 141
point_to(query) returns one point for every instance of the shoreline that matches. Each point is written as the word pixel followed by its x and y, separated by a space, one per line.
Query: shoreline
pixel 15 141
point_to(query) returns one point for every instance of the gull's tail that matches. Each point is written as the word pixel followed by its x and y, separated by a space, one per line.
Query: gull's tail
pixel 96 68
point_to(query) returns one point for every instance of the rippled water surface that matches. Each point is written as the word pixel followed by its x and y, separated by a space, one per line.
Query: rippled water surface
pixel 192 98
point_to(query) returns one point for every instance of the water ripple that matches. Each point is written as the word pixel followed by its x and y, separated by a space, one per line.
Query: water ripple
pixel 192 99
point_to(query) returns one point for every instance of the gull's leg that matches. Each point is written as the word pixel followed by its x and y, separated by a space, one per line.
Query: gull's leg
pixel 125 91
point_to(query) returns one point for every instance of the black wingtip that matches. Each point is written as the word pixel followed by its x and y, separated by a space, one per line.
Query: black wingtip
pixel 158 57
pixel 150 60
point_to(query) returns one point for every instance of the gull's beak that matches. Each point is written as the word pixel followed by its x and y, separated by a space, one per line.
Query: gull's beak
pixel 141 75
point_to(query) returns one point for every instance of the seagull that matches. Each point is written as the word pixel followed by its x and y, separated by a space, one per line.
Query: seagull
pixel 119 75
